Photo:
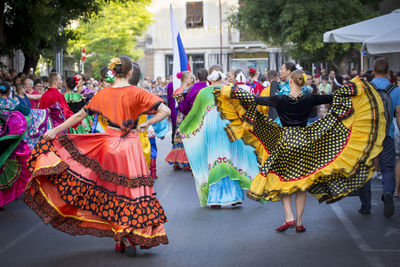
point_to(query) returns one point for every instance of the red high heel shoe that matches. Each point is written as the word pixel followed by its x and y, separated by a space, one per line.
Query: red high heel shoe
pixel 286 226
pixel 300 228
pixel 129 246
pixel 119 247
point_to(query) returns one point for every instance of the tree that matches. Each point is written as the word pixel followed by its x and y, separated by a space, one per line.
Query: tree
pixel 35 26
pixel 111 33
pixel 299 26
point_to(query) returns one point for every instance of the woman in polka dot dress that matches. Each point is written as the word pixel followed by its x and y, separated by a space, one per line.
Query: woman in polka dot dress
pixel 99 184
pixel 329 158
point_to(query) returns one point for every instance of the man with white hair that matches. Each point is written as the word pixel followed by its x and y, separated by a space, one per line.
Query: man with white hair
pixel 32 94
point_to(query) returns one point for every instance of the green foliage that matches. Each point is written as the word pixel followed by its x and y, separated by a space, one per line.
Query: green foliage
pixel 301 24
pixel 110 33
pixel 34 26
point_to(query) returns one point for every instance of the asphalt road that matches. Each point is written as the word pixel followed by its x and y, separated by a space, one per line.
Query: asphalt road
pixel 337 235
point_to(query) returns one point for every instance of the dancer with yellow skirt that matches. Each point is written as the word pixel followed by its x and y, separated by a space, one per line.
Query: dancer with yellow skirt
pixel 329 158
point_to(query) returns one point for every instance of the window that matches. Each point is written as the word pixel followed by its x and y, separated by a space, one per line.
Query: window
pixel 194 14
pixel 169 63
pixel 196 62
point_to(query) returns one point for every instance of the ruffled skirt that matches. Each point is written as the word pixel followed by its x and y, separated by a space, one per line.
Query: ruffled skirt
pixel 221 169
pixel 96 184
pixel 14 174
pixel 177 154
pixel 329 158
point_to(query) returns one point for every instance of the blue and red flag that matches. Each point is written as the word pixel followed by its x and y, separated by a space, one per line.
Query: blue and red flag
pixel 180 61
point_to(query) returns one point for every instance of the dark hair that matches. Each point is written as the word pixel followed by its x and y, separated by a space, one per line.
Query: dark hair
pixel 19 75
pixel 103 72
pixel 369 75
pixel 15 79
pixel 202 75
pixel 272 74
pixel 36 82
pixel 339 79
pixel 121 70
pixel 381 66
pixel 44 79
pixel 71 83
pixel 135 78
pixel 325 77
pixel 7 86
pixel 290 66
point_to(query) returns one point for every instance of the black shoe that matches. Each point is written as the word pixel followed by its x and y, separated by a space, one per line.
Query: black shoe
pixel 388 206
pixel 364 211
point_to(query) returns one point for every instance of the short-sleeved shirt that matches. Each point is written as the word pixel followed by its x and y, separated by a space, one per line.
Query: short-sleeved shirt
pixel 382 83
pixel 122 106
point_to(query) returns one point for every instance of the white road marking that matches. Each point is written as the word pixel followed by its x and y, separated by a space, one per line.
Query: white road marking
pixel 373 259
pixel 20 237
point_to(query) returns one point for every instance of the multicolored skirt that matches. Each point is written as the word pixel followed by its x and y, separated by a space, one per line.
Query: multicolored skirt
pixel 96 184
pixel 221 169
pixel 14 174
pixel 329 158
pixel 39 122
pixel 177 154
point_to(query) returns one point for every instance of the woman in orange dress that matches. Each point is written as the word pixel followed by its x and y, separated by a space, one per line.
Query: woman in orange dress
pixel 99 184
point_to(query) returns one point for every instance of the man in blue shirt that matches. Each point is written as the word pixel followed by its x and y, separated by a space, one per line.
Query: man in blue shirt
pixel 387 157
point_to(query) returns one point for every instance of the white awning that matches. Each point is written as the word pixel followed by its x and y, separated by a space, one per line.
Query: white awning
pixel 387 42
pixel 361 31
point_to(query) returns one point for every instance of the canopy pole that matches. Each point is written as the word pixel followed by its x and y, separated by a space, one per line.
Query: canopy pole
pixel 361 61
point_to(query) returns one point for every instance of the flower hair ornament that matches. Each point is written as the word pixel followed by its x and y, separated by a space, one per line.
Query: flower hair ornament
pixel 216 75
pixel 110 77
pixel 252 70
pixel 298 67
pixel 179 75
pixel 240 78
pixel 76 79
pixel 304 77
pixel 114 62
pixel 3 88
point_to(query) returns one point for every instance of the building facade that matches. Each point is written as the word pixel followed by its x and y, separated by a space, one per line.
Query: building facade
pixel 207 37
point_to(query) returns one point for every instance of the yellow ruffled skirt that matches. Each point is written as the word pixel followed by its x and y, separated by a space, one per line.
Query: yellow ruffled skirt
pixel 329 158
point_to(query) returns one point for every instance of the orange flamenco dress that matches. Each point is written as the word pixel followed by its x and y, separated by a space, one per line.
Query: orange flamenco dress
pixel 99 184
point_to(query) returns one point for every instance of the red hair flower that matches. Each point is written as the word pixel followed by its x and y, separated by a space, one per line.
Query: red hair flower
pixel 179 75
pixel 76 80
pixel 252 70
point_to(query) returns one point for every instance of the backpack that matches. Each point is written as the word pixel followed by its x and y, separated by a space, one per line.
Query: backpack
pixel 387 103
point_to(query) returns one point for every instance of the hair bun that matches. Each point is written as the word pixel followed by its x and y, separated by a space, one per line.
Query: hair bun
pixel 118 68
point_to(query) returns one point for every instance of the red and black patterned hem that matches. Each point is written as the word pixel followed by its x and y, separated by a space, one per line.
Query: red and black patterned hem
pixel 69 225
